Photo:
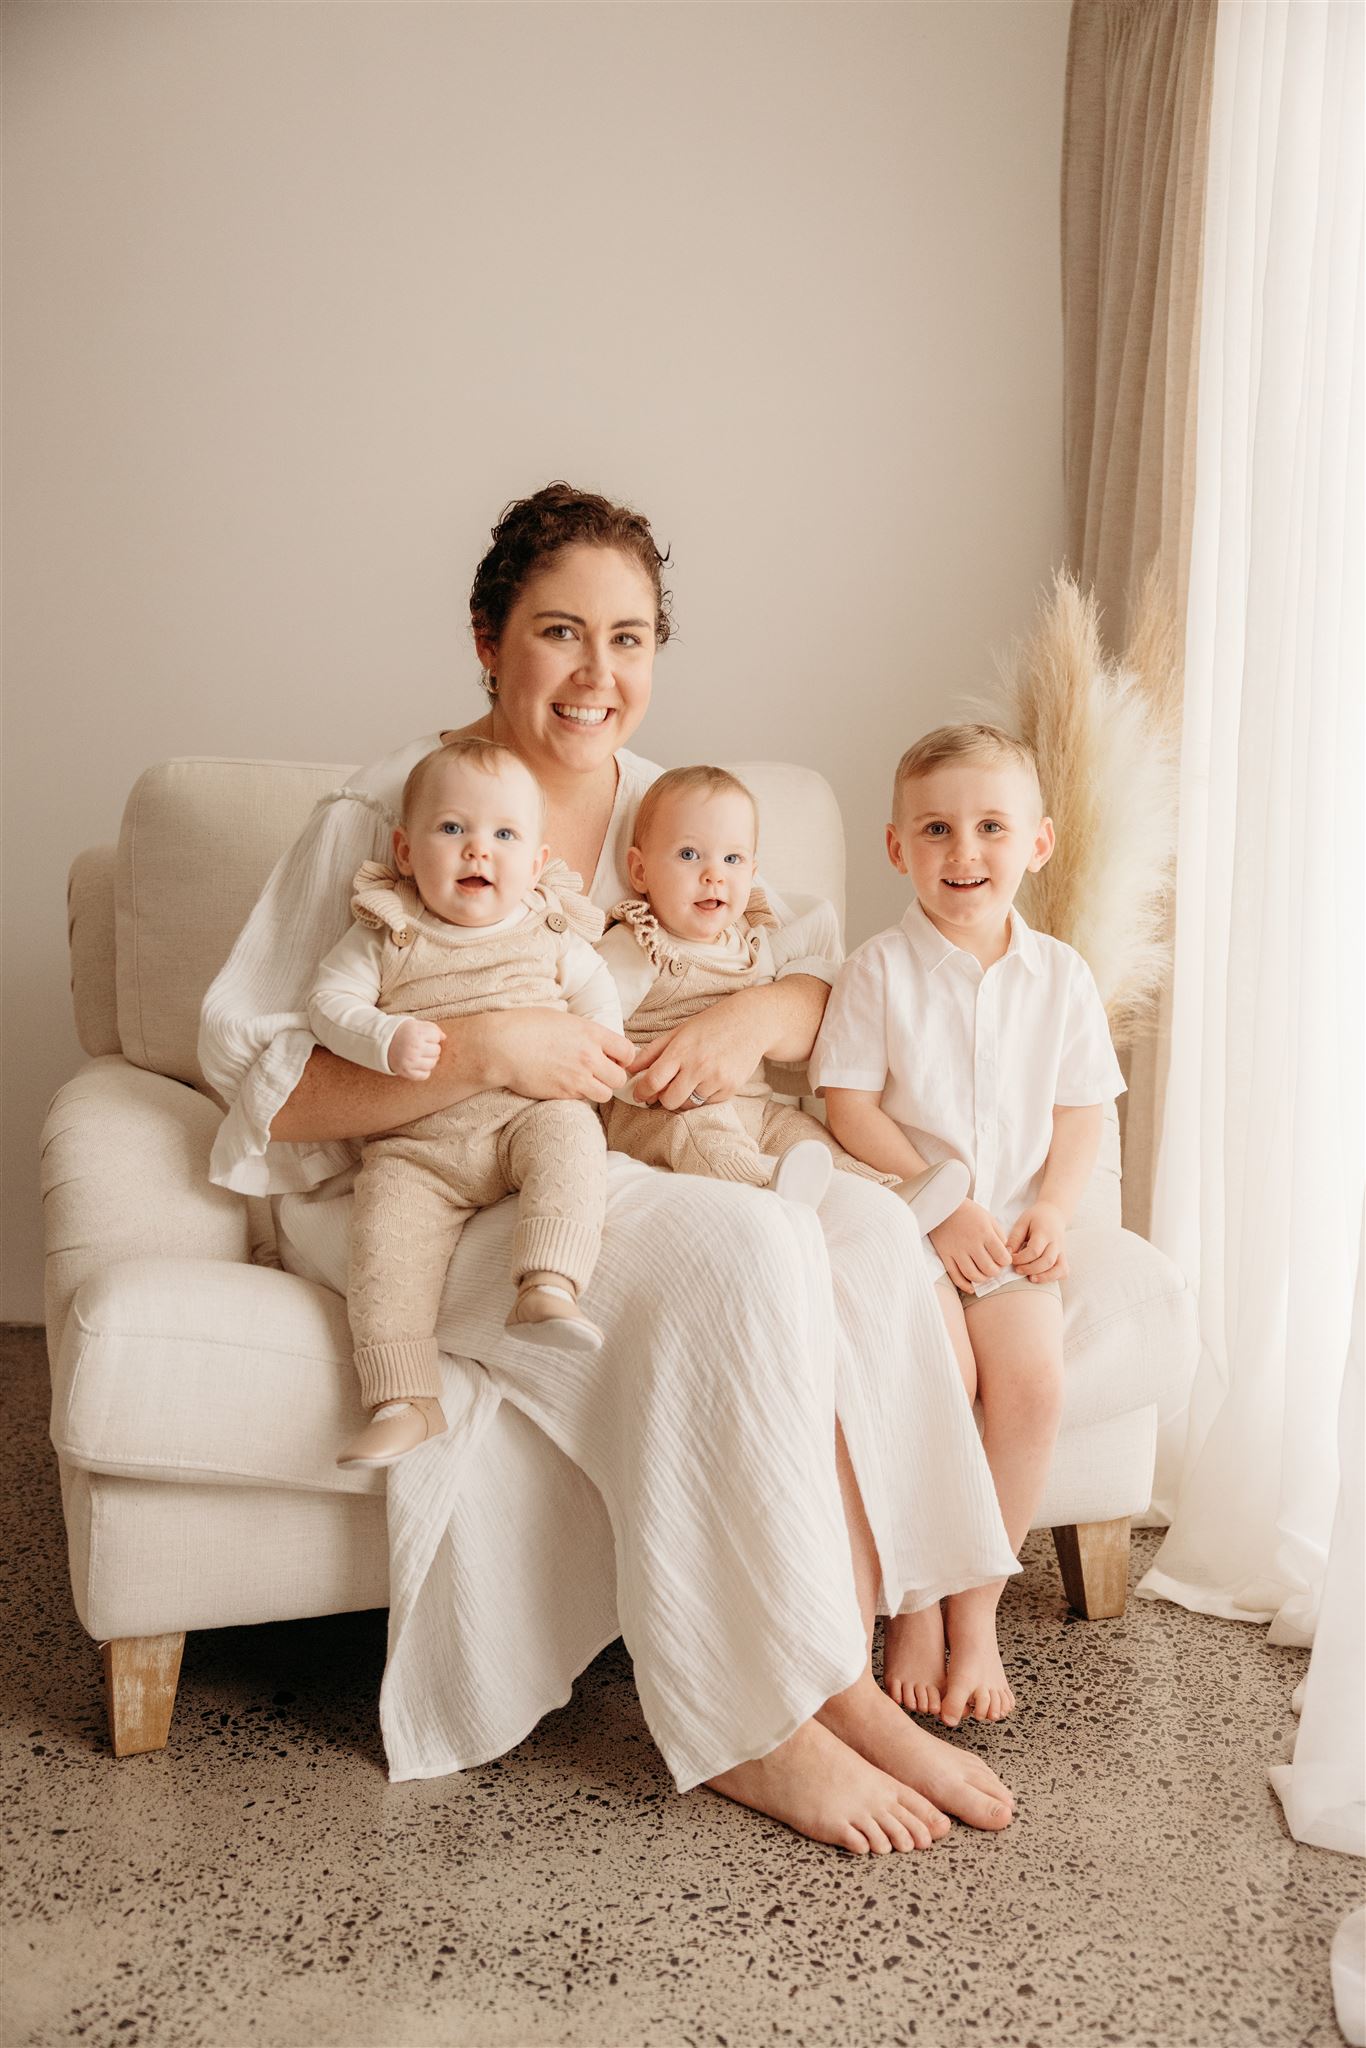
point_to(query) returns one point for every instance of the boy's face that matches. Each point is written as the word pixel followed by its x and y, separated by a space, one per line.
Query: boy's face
pixel 473 844
pixel 697 865
pixel 967 833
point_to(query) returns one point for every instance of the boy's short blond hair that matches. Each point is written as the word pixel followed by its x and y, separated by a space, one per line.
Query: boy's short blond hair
pixel 702 780
pixel 491 757
pixel 990 743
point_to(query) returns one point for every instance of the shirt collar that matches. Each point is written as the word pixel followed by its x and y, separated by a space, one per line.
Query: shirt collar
pixel 932 949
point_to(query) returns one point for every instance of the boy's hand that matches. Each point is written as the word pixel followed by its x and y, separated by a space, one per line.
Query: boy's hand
pixel 415 1049
pixel 1036 1243
pixel 971 1245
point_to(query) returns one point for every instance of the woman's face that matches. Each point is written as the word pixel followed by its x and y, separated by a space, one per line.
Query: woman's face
pixel 574 661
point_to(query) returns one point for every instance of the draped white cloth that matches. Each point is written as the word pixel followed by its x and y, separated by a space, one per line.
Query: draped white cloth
pixel 1260 1168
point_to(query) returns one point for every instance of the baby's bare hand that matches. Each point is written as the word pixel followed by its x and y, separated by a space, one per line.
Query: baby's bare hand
pixel 972 1246
pixel 415 1049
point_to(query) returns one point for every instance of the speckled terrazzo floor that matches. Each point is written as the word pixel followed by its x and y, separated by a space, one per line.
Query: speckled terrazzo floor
pixel 259 1882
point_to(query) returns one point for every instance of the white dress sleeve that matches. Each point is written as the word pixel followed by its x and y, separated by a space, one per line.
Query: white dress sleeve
pixel 254 1034
pixel 585 983
pixel 808 937
pixel 343 1014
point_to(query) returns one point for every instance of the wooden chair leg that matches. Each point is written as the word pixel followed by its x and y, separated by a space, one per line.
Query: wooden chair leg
pixel 140 1678
pixel 1094 1561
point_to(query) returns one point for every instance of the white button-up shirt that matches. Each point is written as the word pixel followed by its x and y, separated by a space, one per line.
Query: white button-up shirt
pixel 970 1061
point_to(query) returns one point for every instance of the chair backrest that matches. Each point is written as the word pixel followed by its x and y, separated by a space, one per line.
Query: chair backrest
pixel 200 837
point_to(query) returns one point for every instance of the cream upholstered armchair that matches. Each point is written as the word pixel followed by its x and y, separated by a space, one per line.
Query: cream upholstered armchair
pixel 173 1334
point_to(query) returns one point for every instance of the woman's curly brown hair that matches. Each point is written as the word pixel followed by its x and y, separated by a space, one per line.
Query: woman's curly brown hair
pixel 533 530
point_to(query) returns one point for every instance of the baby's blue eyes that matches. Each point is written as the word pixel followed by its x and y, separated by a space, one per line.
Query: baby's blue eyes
pixel 937 829
pixel 454 830
pixel 691 853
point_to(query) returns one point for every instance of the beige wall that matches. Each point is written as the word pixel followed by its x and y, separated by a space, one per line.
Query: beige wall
pixel 298 296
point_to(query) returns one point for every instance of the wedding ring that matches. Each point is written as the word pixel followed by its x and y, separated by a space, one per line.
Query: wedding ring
pixel 698 1099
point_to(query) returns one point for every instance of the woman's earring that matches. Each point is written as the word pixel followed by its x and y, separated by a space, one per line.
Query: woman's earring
pixel 490 683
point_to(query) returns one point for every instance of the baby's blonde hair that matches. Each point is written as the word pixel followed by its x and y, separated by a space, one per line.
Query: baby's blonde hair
pixel 946 743
pixel 704 780
pixel 491 757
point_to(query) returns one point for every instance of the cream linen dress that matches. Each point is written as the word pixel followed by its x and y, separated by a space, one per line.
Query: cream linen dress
pixel 678 1487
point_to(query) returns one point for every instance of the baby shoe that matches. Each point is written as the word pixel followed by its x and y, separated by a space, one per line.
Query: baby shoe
pixel 544 1314
pixel 395 1428
pixel 803 1173
pixel 932 1196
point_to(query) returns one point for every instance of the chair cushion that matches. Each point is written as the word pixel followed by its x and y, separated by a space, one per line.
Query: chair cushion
pixel 202 1371
pixel 206 1372
pixel 199 839
pixel 1129 1327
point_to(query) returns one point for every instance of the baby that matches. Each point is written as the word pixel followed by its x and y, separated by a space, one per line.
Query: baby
pixel 473 920
pixel 699 930
pixel 961 1033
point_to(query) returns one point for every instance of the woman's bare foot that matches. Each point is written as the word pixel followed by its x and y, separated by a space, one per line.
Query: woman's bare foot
pixel 816 1784
pixel 977 1687
pixel 913 1663
pixel 951 1779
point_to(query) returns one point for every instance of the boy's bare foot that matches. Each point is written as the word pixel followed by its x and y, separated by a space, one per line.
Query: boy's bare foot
pixel 816 1784
pixel 951 1779
pixel 914 1673
pixel 977 1687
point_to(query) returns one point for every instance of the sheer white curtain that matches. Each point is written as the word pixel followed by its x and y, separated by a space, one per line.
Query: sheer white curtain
pixel 1260 1167
pixel 1260 1172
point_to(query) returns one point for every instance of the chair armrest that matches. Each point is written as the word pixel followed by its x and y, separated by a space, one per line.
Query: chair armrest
pixel 125 1175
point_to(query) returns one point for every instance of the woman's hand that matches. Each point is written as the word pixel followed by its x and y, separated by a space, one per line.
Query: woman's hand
pixel 551 1055
pixel 711 1056
pixel 971 1245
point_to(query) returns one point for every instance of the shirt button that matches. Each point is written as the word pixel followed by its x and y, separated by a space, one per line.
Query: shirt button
pixel 557 921
pixel 677 966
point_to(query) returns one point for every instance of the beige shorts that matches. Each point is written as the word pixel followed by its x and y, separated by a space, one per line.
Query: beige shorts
pixel 1011 1280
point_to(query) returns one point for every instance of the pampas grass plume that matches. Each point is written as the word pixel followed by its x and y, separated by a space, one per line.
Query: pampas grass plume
pixel 1105 735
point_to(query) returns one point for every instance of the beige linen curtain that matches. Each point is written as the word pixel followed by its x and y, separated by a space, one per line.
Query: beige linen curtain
pixel 1135 145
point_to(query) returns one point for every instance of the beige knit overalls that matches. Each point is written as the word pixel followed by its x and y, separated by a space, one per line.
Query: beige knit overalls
pixel 744 1138
pixel 417 1186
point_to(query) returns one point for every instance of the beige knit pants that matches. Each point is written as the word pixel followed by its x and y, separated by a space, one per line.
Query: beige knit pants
pixel 738 1140
pixel 417 1189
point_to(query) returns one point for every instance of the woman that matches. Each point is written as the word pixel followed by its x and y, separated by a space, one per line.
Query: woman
pixel 697 1458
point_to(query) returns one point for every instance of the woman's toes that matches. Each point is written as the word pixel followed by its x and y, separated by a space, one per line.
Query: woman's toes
pixel 915 1824
pixel 853 1841
pixel 874 1836
pixel 901 1834
pixel 893 1689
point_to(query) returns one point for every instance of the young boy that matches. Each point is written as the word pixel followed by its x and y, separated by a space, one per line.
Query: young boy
pixel 961 1033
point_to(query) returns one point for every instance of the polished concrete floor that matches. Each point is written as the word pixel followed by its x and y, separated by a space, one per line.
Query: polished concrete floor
pixel 259 1884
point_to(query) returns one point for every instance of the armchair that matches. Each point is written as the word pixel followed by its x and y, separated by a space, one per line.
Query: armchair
pixel 172 1330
